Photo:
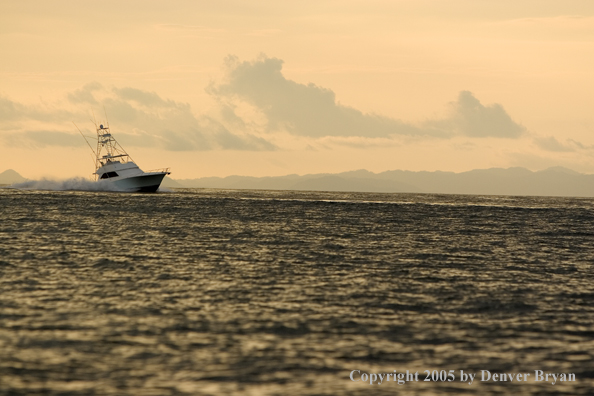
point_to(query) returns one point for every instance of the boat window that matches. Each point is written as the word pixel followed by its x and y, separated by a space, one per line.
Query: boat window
pixel 108 175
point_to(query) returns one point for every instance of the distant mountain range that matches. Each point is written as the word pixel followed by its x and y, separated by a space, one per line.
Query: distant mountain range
pixel 556 181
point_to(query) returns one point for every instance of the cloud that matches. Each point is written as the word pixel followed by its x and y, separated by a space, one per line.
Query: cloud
pixel 561 25
pixel 11 111
pixel 257 105
pixel 188 28
pixel 147 99
pixel 43 138
pixel 34 126
pixel 248 142
pixel 469 117
pixel 550 143
pixel 175 125
pixel 359 142
pixel 137 117
pixel 84 95
pixel 303 110
pixel 140 117
pixel 313 111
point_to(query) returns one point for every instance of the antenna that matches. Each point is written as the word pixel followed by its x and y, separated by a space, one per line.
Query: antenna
pixel 106 120
pixel 94 119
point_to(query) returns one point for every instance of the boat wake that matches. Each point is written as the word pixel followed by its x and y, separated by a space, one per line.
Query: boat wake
pixel 74 184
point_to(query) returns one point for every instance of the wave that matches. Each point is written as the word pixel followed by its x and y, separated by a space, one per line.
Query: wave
pixel 73 184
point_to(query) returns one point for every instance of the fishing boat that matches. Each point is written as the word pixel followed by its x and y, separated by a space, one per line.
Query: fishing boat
pixel 114 165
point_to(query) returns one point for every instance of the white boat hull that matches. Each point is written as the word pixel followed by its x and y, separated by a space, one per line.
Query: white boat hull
pixel 148 182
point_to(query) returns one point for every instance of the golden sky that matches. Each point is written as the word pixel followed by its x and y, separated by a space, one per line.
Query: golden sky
pixel 273 88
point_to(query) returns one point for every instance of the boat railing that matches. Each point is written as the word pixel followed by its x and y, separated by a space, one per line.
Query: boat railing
pixel 161 170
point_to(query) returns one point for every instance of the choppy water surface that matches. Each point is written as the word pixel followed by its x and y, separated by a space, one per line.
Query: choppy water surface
pixel 212 292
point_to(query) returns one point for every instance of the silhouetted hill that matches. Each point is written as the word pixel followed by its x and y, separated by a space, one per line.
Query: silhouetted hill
pixel 10 177
pixel 169 182
pixel 556 181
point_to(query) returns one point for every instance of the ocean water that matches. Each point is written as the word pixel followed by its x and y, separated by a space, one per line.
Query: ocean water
pixel 220 292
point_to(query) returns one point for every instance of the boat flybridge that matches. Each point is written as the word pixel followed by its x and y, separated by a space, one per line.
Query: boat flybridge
pixel 114 165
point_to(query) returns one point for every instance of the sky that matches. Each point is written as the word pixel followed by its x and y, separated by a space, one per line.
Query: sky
pixel 269 88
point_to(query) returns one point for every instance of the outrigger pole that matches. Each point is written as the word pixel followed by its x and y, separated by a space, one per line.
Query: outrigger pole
pixel 89 144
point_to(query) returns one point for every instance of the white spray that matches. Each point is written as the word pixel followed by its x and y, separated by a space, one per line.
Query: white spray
pixel 74 184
